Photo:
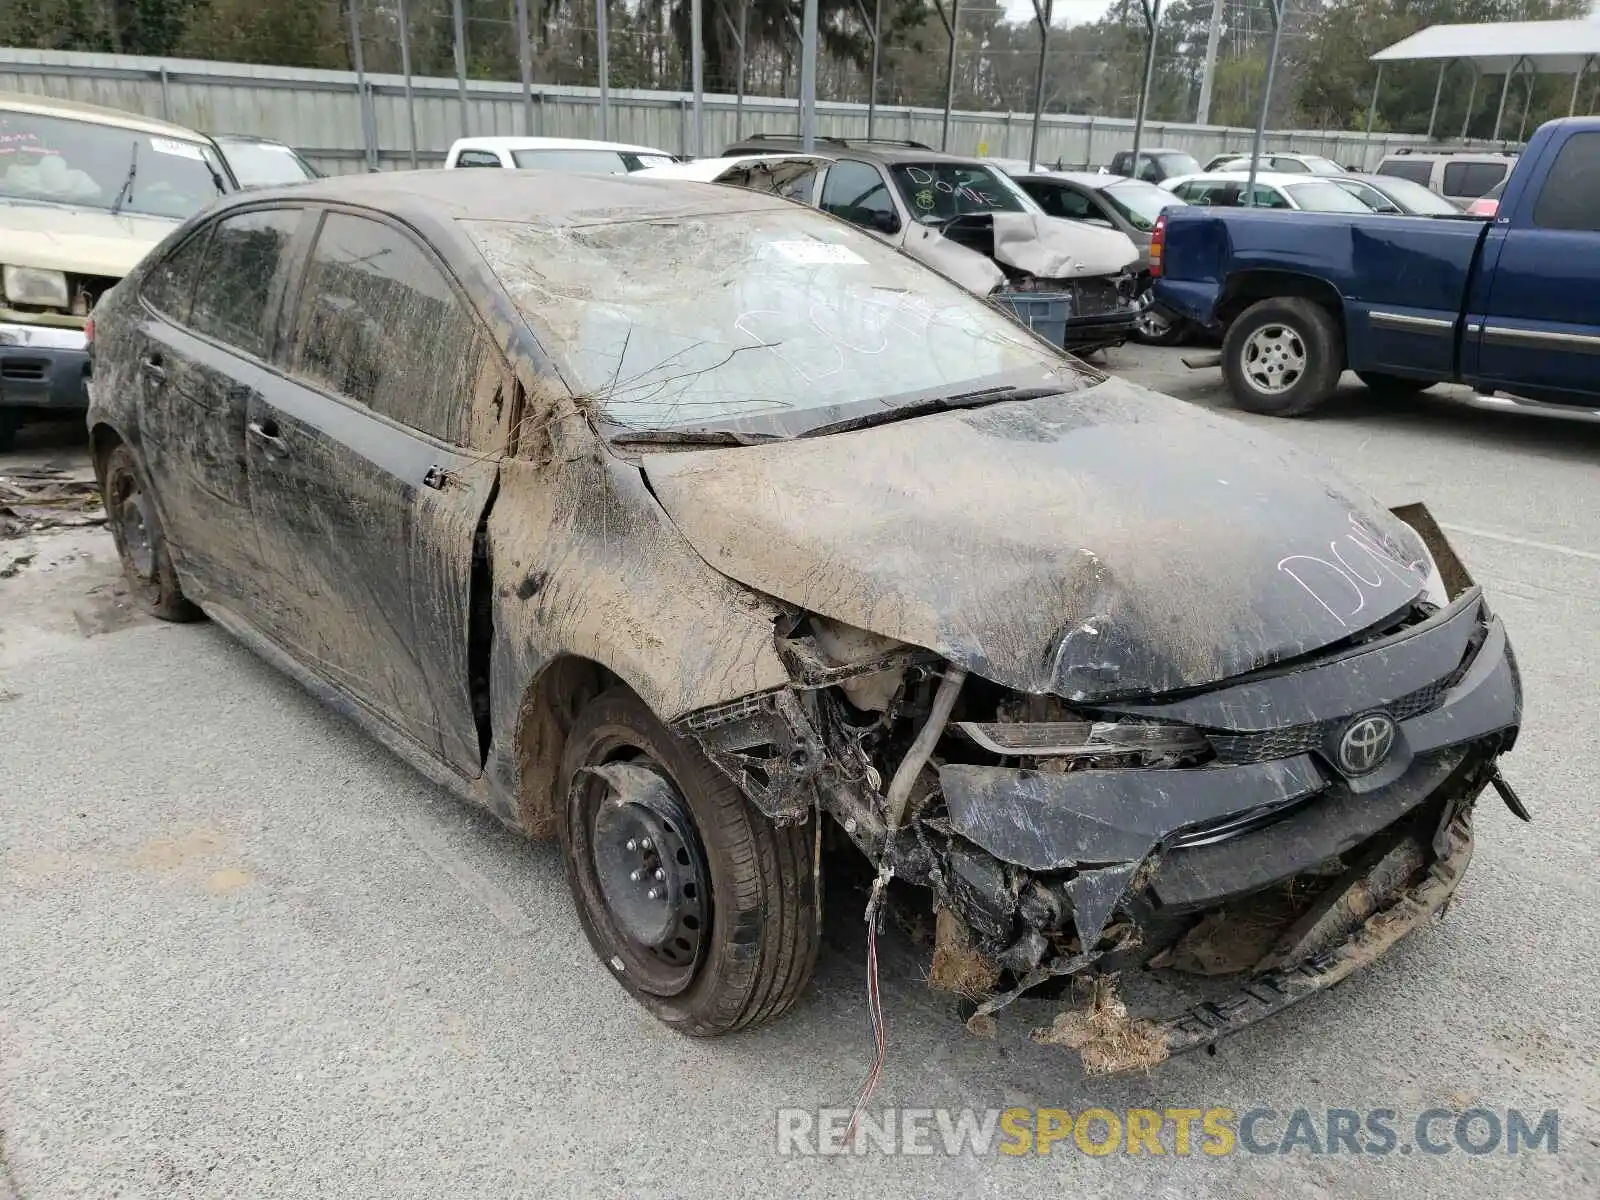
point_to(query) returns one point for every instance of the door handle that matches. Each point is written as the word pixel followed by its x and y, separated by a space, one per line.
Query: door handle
pixel 265 435
pixel 150 366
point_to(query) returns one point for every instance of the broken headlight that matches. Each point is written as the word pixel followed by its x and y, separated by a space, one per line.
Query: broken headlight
pixel 1434 590
pixel 34 286
pixel 1083 739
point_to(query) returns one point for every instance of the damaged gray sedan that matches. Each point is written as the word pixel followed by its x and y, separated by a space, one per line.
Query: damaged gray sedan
pixel 712 536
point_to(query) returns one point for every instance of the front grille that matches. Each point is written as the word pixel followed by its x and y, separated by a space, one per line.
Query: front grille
pixel 1096 297
pixel 1302 739
pixel 24 370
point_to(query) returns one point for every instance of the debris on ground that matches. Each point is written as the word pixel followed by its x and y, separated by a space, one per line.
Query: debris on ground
pixel 1106 1038
pixel 36 498
pixel 957 966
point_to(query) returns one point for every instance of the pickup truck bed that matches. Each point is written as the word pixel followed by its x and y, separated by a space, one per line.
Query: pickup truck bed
pixel 1509 305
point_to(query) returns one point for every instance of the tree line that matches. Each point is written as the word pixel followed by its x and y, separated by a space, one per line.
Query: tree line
pixel 1324 78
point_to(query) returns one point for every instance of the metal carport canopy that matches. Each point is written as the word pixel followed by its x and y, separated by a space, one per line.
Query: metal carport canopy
pixel 1547 47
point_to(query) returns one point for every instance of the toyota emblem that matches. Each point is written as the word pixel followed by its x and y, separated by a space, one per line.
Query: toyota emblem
pixel 1366 742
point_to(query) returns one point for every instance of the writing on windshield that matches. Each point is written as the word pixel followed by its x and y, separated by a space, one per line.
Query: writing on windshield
pixel 937 192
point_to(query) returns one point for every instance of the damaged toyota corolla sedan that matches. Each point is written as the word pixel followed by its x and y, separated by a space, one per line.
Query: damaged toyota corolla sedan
pixel 713 537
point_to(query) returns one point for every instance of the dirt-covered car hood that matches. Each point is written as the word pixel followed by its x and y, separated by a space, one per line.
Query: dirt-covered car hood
pixel 1110 542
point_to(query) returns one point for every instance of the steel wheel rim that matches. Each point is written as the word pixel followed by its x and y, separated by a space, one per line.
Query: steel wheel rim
pixel 651 881
pixel 131 525
pixel 1274 358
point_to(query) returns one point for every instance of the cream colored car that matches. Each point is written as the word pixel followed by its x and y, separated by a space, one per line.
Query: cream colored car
pixel 85 193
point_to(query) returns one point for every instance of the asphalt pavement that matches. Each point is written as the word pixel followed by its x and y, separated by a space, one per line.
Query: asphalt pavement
pixel 246 952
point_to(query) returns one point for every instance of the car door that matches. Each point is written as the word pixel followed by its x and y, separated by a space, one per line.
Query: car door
pixel 1537 333
pixel 203 343
pixel 372 459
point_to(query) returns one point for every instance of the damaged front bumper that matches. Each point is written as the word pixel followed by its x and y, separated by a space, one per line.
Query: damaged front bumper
pixel 1308 816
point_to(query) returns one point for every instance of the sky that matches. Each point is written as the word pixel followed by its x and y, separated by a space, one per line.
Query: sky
pixel 1067 12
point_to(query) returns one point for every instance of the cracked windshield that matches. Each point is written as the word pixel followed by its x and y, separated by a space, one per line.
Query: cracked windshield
pixel 61 161
pixel 784 328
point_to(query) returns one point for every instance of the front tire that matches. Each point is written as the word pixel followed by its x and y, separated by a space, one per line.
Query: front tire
pixel 141 543
pixel 1282 357
pixel 702 908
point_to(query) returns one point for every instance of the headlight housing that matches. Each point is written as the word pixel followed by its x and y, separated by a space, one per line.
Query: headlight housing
pixel 1433 590
pixel 36 286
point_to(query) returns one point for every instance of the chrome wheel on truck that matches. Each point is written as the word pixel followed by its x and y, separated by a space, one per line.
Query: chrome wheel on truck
pixel 1282 357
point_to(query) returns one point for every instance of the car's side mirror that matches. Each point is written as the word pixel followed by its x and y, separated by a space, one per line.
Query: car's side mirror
pixel 885 222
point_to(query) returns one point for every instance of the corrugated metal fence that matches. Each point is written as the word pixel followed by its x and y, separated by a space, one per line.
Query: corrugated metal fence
pixel 343 127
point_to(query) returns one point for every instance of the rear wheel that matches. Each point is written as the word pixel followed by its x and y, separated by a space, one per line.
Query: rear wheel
pixel 1282 357
pixel 1392 387
pixel 136 530
pixel 701 908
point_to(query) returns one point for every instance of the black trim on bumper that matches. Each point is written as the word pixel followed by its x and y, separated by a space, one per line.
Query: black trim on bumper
pixel 34 375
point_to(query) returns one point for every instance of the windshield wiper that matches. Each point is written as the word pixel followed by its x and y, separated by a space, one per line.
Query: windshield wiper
pixel 126 193
pixel 934 404
pixel 690 437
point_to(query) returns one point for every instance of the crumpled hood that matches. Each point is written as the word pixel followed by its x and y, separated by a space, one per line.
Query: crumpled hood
pixel 1107 543
pixel 86 241
pixel 1051 248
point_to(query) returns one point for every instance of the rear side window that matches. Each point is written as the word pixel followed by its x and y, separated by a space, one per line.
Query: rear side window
pixel 1570 198
pixel 1471 178
pixel 380 324
pixel 241 262
pixel 477 158
pixel 1418 170
pixel 169 288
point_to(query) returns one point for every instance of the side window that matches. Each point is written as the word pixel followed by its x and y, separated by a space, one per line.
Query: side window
pixel 856 192
pixel 477 158
pixel 1570 198
pixel 380 324
pixel 1149 170
pixel 1290 166
pixel 1064 202
pixel 1269 197
pixel 1472 179
pixel 230 303
pixel 1414 169
pixel 169 288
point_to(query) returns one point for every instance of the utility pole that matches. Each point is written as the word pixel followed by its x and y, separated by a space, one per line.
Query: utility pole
pixel 1202 114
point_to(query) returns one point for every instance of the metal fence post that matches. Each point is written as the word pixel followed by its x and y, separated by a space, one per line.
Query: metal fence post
pixel 405 68
pixel 525 67
pixel 602 35
pixel 460 21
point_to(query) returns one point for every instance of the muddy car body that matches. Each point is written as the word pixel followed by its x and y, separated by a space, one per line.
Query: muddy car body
pixel 837 555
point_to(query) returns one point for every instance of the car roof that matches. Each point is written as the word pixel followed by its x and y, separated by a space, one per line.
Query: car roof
pixel 547 143
pixel 707 170
pixel 72 110
pixel 1088 179
pixel 1275 178
pixel 887 152
pixel 541 198
pixel 1499 156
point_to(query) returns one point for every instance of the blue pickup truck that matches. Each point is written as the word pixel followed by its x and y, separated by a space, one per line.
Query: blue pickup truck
pixel 1509 306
